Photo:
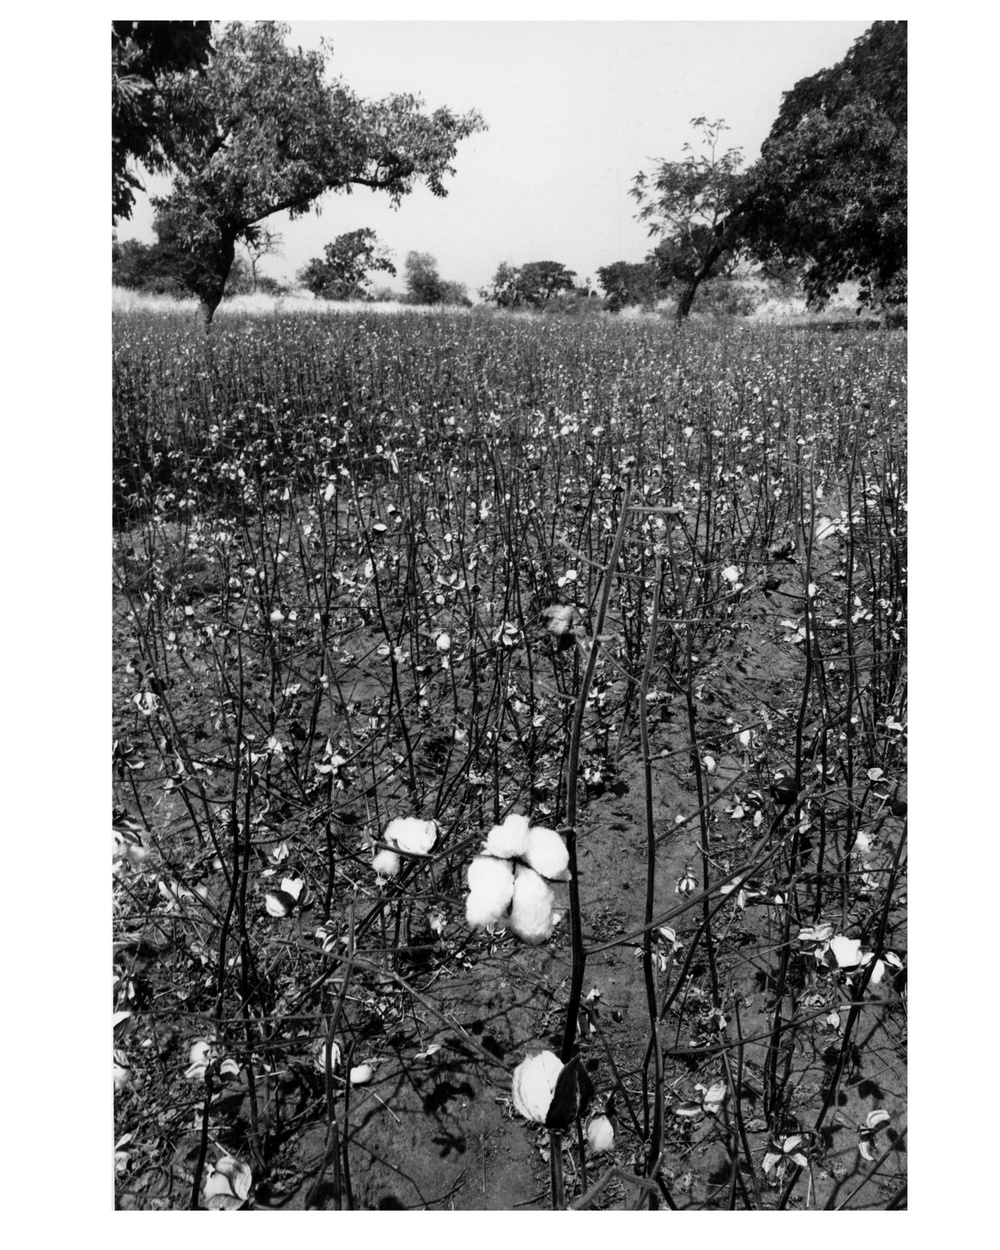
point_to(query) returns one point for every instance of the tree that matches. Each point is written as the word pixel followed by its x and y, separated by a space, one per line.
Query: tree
pixel 263 132
pixel 625 283
pixel 267 243
pixel 688 204
pixel 160 268
pixel 829 189
pixel 540 280
pixel 534 284
pixel 165 267
pixel 424 285
pixel 142 53
pixel 503 290
pixel 343 274
pixel 455 294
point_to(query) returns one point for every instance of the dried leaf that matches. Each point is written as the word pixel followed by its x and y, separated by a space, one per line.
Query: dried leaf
pixel 713 1097
pixel 572 1093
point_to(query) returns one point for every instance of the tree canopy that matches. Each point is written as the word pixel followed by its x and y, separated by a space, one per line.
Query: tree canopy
pixel 625 283
pixel 829 189
pixel 262 132
pixel 827 197
pixel 343 272
pixel 532 285
pixel 688 204
pixel 424 284
pixel 142 54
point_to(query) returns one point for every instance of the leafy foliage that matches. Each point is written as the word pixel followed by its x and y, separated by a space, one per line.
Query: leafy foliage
pixel 829 189
pixel 166 268
pixel 142 53
pixel 424 284
pixel 625 283
pixel 533 285
pixel 687 204
pixel 343 273
pixel 264 133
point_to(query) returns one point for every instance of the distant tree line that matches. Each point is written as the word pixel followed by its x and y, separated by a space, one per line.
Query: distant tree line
pixel 824 204
pixel 167 267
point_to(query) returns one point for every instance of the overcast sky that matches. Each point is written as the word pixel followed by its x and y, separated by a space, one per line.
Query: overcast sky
pixel 574 109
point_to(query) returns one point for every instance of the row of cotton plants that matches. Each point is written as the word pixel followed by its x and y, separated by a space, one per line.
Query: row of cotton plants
pixel 454 659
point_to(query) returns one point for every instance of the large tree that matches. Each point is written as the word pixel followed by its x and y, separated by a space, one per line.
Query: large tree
pixel 829 190
pixel 688 205
pixel 342 274
pixel 424 284
pixel 142 54
pixel 264 132
pixel 625 283
pixel 533 285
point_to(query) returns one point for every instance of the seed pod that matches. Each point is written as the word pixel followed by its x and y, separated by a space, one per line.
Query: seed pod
pixel 784 788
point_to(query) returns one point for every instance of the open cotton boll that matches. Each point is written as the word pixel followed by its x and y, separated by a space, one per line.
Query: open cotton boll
pixel 600 1134
pixel 482 910
pixel 491 886
pixel 509 840
pixel 386 863
pixel 534 1083
pixel 532 916
pixel 546 853
pixel 409 834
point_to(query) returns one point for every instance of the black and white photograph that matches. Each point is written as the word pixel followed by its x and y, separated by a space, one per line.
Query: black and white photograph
pixel 509 685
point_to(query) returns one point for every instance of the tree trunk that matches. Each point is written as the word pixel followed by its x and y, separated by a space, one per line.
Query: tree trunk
pixel 722 243
pixel 702 272
pixel 213 277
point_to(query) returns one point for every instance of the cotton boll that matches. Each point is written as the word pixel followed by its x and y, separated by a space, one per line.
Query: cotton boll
pixel 509 840
pixel 409 834
pixel 386 863
pixel 482 910
pixel 546 853
pixel 532 916
pixel 491 886
pixel 534 1083
pixel 600 1134
pixel 846 951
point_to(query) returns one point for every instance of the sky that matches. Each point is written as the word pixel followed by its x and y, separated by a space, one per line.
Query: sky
pixel 575 110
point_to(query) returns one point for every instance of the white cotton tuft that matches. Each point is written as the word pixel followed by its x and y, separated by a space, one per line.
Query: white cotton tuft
pixel 600 1134
pixel 491 886
pixel 482 910
pixel 386 863
pixel 509 840
pixel 409 834
pixel 534 1083
pixel 546 853
pixel 532 914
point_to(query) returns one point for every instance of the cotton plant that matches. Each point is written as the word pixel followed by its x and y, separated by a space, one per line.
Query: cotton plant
pixel 782 1154
pixel 509 883
pixel 867 1139
pixel 227 1185
pixel 533 1085
pixel 205 1057
pixel 837 953
pixel 408 834
pixel 552 1093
